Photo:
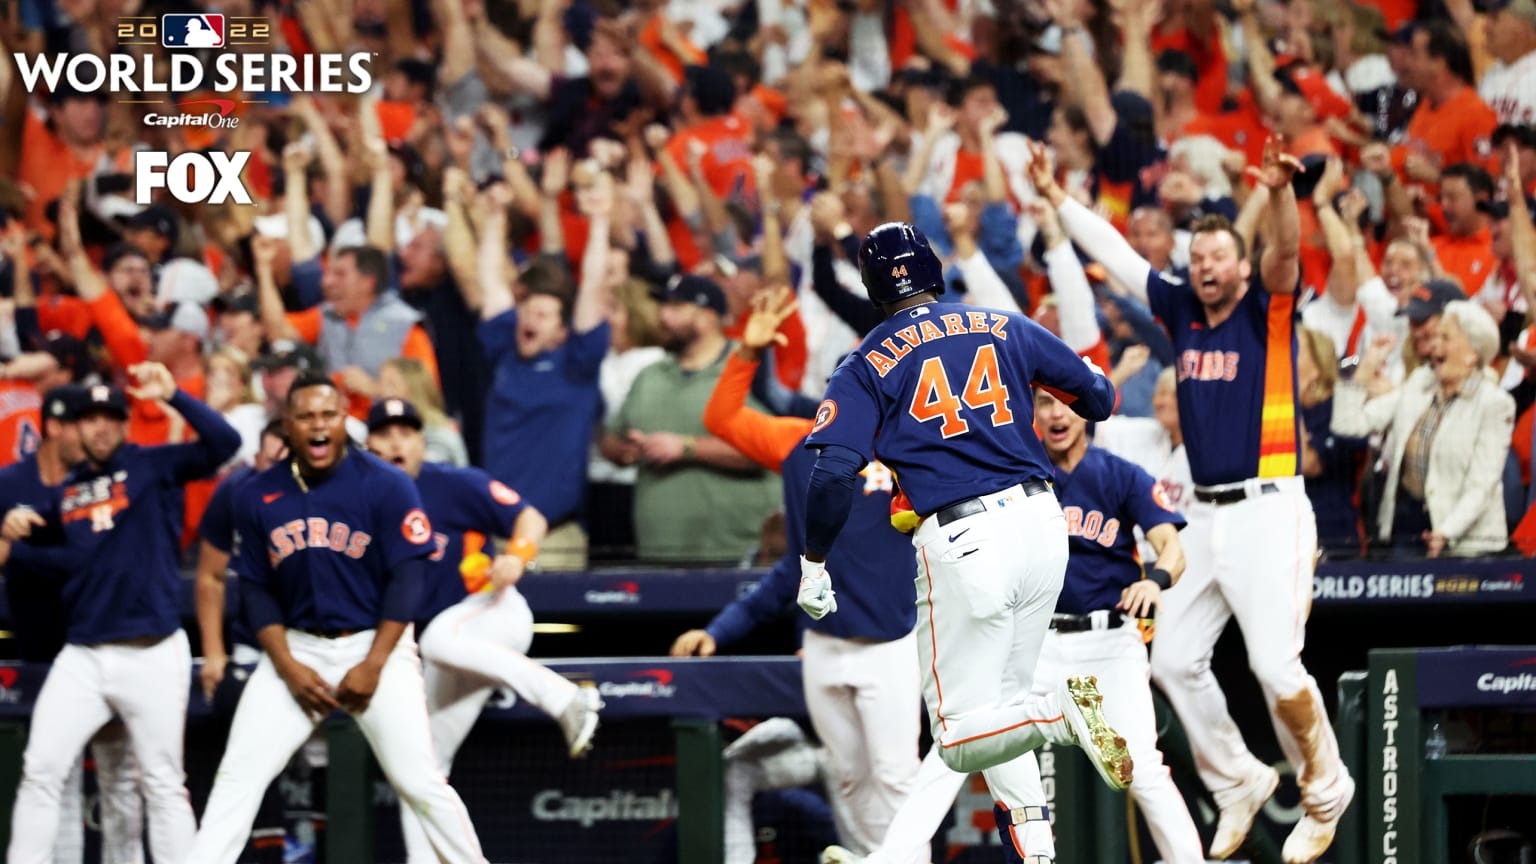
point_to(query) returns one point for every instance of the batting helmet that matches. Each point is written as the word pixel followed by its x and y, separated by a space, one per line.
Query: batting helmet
pixel 896 262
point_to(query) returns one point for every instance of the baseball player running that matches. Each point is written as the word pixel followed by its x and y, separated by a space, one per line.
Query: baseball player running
pixel 333 545
pixel 861 682
pixel 37 620
pixel 1094 629
pixel 1251 536
pixel 111 525
pixel 475 627
pixel 946 386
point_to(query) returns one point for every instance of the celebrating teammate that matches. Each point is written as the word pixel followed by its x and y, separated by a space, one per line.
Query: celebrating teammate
pixel 126 653
pixel 1252 536
pixel 947 388
pixel 332 548
pixel 861 686
pixel 475 627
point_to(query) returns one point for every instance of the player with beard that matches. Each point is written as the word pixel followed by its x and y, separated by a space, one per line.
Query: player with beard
pixel 333 545
pixel 126 654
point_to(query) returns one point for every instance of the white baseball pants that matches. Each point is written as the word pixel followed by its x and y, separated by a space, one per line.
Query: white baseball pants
pixel 1253 560
pixel 476 645
pixel 863 702
pixel 986 587
pixel 1118 658
pixel 147 686
pixel 932 795
pixel 117 790
pixel 269 726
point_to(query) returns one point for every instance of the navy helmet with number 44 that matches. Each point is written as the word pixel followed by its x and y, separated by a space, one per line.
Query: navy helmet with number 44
pixel 896 262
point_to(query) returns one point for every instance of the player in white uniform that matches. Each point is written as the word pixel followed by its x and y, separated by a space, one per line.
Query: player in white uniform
pixel 475 627
pixel 1252 537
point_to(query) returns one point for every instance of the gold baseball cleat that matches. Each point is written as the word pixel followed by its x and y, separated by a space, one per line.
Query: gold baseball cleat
pixel 1082 707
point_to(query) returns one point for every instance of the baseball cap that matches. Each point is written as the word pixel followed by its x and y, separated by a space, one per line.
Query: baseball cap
pixel 391 412
pixel 290 355
pixel 186 317
pixel 186 281
pixel 104 399
pixel 1499 209
pixel 698 290
pixel 1523 9
pixel 63 403
pixel 246 302
pixel 72 354
pixel 1304 81
pixel 1430 299
pixel 1403 35
pixel 1172 60
pixel 157 218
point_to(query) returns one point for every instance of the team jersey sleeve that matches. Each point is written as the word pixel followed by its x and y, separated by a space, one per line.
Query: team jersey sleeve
pixel 254 563
pixel 1146 500
pixel 402 528
pixel 216 442
pixel 850 414
pixel 498 335
pixel 217 527
pixel 1163 296
pixel 1061 371
pixel 493 504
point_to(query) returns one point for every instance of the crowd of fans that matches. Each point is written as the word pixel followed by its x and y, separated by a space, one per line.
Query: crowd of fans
pixel 545 223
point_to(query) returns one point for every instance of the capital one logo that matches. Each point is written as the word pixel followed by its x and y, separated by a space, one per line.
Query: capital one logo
pixel 191 178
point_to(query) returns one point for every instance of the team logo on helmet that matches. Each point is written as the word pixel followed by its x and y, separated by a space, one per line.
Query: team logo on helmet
pixel 825 415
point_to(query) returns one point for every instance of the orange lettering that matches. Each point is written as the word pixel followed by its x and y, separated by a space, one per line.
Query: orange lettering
pixel 998 323
pixel 318 528
pixel 882 363
pixel 359 544
pixel 296 531
pixel 897 351
pixel 339 532
pixel 954 325
pixel 909 335
pixel 930 331
pixel 283 545
pixel 978 321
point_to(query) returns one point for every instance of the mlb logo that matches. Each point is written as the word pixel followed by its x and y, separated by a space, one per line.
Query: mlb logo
pixel 192 31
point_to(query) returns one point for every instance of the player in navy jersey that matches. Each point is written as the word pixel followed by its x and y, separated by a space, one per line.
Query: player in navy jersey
pixel 1252 536
pixel 332 549
pixel 126 653
pixel 37 622
pixel 946 387
pixel 475 627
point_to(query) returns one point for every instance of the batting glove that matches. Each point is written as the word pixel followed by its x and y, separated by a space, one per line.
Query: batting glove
pixel 816 595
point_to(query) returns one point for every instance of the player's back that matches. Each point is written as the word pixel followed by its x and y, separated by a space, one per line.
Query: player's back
pixel 956 414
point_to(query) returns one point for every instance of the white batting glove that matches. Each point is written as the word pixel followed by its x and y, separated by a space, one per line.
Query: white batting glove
pixel 816 596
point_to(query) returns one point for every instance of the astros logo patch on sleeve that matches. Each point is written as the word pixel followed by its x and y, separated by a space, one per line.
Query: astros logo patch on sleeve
pixel 825 415
pixel 416 528
pixel 1161 498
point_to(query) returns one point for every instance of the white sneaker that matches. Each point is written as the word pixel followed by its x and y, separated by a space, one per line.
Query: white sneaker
pixel 1237 818
pixel 1082 707
pixel 579 720
pixel 839 855
pixel 1314 834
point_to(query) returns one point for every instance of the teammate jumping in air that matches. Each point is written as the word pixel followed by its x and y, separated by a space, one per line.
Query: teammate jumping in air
pixel 946 386
pixel 1252 537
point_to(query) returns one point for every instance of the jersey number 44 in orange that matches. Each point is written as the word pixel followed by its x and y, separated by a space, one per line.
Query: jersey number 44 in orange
pixel 934 399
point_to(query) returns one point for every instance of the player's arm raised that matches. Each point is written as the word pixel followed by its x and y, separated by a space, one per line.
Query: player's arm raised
pixel 1087 230
pixel 1075 381
pixel 1280 227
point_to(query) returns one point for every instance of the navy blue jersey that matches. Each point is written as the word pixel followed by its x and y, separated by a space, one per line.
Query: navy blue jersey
pixel 871 562
pixel 467 509
pixel 326 556
pixel 1103 498
pixel 1237 382
pixel 120 542
pixel 941 394
pixel 32 584
pixel 540 413
pixel 217 529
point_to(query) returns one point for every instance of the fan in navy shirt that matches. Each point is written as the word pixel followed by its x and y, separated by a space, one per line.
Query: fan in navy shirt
pixel 126 652
pixel 332 545
pixel 475 627
pixel 546 352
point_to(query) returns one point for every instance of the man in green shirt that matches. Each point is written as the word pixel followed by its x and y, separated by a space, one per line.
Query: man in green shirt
pixel 697 500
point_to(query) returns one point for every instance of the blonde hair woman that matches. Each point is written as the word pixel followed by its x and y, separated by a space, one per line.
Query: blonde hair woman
pixel 227 390
pixel 1451 425
pixel 405 378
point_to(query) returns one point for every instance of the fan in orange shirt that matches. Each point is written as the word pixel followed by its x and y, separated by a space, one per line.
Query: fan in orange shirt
pixel 1452 123
pixel 21 402
pixel 1465 250
pixel 61 149
pixel 1194 32
pixel 708 100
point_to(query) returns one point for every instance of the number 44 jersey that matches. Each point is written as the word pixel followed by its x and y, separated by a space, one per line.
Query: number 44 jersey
pixel 941 393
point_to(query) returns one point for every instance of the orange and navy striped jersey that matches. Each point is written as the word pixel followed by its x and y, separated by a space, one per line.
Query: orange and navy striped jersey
pixel 21 416
pixel 1236 382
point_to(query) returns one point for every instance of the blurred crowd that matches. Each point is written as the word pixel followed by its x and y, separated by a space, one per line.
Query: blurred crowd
pixel 545 222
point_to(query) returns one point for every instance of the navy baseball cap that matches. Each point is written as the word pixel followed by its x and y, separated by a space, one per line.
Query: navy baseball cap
pixel 290 355
pixel 698 290
pixel 1430 299
pixel 230 303
pixel 393 412
pixel 158 218
pixel 63 403
pixel 71 354
pixel 103 399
